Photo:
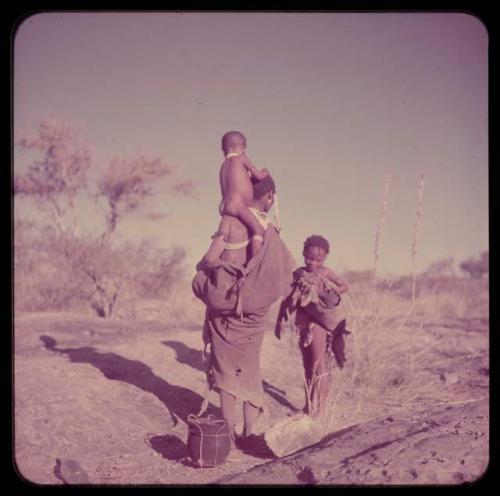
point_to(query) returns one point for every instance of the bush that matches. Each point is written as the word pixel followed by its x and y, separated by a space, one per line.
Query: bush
pixel 358 276
pixel 60 271
pixel 476 267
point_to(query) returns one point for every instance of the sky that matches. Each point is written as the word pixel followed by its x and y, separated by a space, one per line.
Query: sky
pixel 329 102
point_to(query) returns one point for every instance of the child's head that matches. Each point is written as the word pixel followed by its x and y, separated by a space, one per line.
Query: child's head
pixel 233 141
pixel 316 248
pixel 263 192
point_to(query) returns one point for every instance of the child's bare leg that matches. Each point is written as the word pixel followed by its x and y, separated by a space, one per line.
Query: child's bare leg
pixel 250 414
pixel 255 245
pixel 228 407
pixel 248 218
pixel 239 209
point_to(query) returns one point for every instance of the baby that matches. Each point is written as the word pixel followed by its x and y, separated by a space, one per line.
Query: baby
pixel 235 176
pixel 230 242
pixel 314 297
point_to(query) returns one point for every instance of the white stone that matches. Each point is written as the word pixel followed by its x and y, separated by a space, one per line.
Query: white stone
pixel 291 434
pixel 451 378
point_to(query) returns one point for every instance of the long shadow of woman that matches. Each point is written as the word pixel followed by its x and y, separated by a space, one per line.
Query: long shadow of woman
pixel 179 401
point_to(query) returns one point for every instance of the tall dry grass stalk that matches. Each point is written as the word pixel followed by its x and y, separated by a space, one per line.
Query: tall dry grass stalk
pixel 416 226
pixel 380 222
pixel 392 352
pixel 393 356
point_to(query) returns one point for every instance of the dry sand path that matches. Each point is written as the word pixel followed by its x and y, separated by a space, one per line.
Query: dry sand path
pixel 114 396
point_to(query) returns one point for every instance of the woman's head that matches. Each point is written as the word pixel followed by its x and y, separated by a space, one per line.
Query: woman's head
pixel 316 249
pixel 263 192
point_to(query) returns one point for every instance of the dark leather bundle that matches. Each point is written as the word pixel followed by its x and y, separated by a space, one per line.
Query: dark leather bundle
pixel 209 440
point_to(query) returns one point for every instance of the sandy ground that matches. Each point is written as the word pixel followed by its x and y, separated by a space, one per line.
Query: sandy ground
pixel 114 396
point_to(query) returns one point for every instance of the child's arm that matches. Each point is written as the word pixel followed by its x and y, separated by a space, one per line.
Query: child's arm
pixel 340 283
pixel 258 174
pixel 217 246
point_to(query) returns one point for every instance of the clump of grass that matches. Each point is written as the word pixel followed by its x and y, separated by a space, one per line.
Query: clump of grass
pixel 460 298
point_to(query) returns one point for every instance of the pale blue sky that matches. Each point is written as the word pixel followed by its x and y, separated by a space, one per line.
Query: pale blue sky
pixel 328 102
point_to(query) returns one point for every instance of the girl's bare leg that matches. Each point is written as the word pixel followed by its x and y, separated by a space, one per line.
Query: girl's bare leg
pixel 306 361
pixel 320 376
pixel 314 357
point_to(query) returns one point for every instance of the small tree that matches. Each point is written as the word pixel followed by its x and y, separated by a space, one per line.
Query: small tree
pixel 126 183
pixel 54 180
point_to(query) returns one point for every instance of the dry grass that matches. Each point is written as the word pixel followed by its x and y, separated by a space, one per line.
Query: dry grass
pixel 391 352
pixel 392 362
pixel 62 272
pixel 179 310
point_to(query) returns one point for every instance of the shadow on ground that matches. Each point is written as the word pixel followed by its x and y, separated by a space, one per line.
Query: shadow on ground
pixel 179 401
pixel 256 446
pixel 169 446
pixel 194 358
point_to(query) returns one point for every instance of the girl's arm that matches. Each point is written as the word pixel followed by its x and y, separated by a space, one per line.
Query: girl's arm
pixel 217 246
pixel 340 283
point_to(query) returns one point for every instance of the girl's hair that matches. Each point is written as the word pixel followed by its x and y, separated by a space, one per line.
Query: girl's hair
pixel 232 139
pixel 318 241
